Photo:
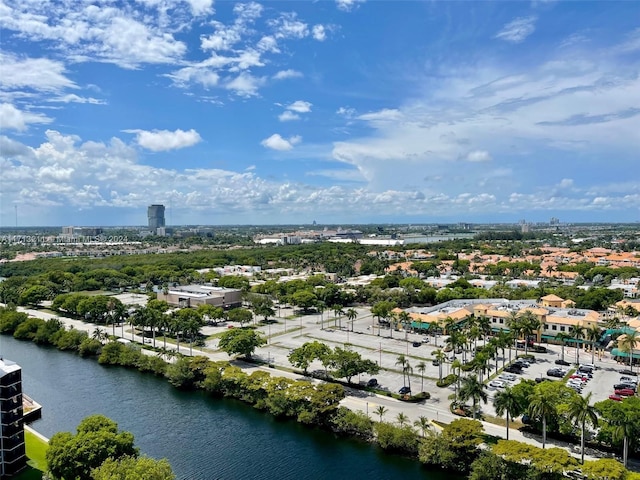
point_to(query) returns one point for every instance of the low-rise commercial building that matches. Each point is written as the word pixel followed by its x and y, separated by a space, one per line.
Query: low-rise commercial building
pixel 195 295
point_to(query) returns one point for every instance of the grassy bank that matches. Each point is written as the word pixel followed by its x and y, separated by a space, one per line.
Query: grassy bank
pixel 36 450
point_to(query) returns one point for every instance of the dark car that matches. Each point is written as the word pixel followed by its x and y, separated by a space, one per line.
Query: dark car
pixel 628 372
pixel 554 372
pixel 513 369
pixel 621 386
pixel 435 363
pixel 417 344
pixel 543 379
pixel 372 382
pixel 562 362
pixel 404 390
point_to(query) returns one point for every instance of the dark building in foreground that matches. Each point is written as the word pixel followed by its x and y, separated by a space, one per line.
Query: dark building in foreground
pixel 13 457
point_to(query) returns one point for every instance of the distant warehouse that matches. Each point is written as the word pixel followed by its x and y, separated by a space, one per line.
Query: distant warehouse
pixel 194 295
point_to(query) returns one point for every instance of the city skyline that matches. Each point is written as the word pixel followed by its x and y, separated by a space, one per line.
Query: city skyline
pixel 344 112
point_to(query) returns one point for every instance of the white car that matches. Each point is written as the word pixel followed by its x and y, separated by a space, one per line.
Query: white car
pixel 510 377
pixel 497 384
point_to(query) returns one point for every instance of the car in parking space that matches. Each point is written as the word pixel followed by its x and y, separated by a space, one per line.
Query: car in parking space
pixel 588 365
pixel 628 372
pixel 616 398
pixel 372 382
pixel 497 384
pixel 522 363
pixel 556 372
pixel 620 386
pixel 513 369
pixel 543 379
pixel 510 377
pixel 562 362
pixel 417 344
pixel 627 380
pixel 625 392
pixel 404 390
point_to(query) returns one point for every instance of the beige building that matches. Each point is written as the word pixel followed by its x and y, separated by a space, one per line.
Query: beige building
pixel 195 295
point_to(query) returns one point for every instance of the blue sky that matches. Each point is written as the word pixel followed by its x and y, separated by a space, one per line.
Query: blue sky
pixel 336 111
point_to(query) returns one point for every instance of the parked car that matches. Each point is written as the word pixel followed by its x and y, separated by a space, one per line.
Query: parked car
pixel 404 390
pixel 497 384
pixel 555 372
pixel 628 372
pixel 510 377
pixel 543 379
pixel 620 386
pixel 513 369
pixel 417 344
pixel 372 382
pixel 625 392
pixel 435 363
pixel 562 362
pixel 616 398
pixel 626 380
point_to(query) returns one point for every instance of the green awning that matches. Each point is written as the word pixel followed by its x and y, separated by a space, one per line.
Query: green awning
pixel 616 352
pixel 420 325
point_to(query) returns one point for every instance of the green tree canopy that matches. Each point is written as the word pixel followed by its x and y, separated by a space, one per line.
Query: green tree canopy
pixel 133 468
pixel 239 341
pixel 97 439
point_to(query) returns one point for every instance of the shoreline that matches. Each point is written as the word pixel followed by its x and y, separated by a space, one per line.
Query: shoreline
pixel 36 433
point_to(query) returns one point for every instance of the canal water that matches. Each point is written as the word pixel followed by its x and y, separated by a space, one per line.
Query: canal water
pixel 202 438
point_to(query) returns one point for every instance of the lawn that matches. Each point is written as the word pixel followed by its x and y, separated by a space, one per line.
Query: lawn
pixel 36 449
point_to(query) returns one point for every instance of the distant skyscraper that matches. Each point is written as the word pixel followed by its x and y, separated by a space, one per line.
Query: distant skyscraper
pixel 155 214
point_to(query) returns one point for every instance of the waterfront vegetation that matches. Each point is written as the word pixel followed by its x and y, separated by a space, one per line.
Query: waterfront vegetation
pixel 460 446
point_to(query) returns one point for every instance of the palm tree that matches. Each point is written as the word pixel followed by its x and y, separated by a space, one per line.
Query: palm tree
pixel 541 405
pixel 484 324
pixel 405 319
pixel 440 356
pixel 402 419
pixel 423 424
pixel 507 402
pixel 581 412
pixel 337 312
pixel 380 410
pixel 421 367
pixel 100 335
pixel 481 364
pixel 457 364
pixel 401 360
pixel 473 389
pixel 505 340
pixel 515 327
pixel 627 343
pixel 593 335
pixel 530 324
pixel 408 370
pixel 352 314
pixel 577 332
pixel 563 337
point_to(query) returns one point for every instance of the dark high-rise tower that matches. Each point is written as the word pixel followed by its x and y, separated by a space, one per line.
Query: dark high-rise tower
pixel 155 214
pixel 13 457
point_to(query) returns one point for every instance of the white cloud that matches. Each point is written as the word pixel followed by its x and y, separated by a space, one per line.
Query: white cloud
pixel 517 30
pixel 348 5
pixel 288 26
pixel 346 112
pixel 479 156
pixel 384 115
pixel 289 73
pixel 300 106
pixel 163 140
pixel 200 7
pixel 73 98
pixel 319 33
pixel 39 74
pixel 245 84
pixel 14 119
pixel 276 142
pixel 288 116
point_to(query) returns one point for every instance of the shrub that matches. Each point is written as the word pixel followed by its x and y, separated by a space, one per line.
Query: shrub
pixel 448 380
pixel 356 424
pixel 397 439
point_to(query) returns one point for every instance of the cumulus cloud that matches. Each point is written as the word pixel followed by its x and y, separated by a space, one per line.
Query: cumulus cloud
pixel 163 140
pixel 319 33
pixel 245 84
pixel 517 30
pixel 300 106
pixel 348 5
pixel 40 74
pixel 288 26
pixel 288 116
pixel 14 119
pixel 289 73
pixel 276 142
